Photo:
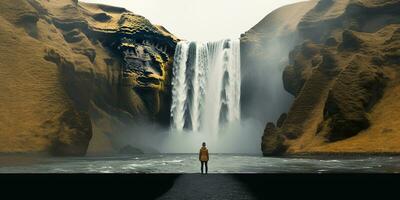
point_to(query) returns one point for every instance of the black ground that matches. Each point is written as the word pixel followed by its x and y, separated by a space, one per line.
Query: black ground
pixel 211 186
pixel 196 186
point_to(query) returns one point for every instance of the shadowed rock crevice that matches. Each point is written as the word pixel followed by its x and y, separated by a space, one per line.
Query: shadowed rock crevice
pixel 350 41
pixel 102 17
pixel 29 22
pixel 73 136
pixel 73 36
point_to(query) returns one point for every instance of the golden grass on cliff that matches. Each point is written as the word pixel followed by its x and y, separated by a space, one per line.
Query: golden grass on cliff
pixel 383 135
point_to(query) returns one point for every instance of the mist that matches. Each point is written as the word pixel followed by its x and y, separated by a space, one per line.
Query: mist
pixel 263 95
pixel 239 137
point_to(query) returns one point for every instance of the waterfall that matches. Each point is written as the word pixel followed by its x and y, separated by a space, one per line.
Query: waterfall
pixel 205 85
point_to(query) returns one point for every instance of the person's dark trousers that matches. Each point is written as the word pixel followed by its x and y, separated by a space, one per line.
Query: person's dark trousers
pixel 202 165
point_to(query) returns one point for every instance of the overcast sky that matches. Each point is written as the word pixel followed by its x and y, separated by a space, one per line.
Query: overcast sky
pixel 201 19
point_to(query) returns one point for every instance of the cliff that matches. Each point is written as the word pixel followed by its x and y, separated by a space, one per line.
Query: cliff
pixel 344 74
pixel 73 73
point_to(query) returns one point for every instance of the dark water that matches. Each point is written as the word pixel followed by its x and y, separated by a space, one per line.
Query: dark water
pixel 219 163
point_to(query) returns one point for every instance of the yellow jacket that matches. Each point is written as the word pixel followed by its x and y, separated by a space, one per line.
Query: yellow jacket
pixel 203 154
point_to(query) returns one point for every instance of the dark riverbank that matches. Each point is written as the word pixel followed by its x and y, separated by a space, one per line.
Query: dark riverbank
pixel 196 186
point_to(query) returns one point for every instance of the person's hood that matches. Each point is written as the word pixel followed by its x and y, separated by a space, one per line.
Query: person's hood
pixel 203 148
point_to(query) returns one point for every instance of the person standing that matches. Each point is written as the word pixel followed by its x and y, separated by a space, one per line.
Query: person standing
pixel 203 157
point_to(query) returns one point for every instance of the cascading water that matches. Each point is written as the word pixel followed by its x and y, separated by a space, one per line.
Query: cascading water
pixel 205 85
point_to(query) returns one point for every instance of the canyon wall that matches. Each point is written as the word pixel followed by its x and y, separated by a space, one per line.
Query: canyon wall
pixel 73 73
pixel 344 75
pixel 75 76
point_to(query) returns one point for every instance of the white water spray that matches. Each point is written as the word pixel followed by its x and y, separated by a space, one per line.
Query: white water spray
pixel 205 85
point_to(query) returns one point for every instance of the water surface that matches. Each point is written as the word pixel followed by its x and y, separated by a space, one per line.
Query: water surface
pixel 219 163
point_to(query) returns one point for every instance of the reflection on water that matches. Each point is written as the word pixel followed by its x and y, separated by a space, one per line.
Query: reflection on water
pixel 219 163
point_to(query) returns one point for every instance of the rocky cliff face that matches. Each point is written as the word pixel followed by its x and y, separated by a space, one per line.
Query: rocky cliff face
pixel 72 71
pixel 344 75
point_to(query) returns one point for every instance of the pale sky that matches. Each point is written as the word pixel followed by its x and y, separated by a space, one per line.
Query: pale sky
pixel 204 20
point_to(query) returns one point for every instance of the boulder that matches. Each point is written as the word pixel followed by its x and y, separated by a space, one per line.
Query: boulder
pixel 355 91
pixel 272 142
